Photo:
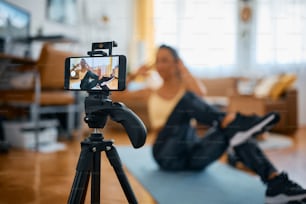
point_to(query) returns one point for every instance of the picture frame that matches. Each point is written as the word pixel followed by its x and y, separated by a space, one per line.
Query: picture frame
pixel 62 11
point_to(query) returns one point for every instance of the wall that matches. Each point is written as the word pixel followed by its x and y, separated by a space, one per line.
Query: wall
pixel 89 27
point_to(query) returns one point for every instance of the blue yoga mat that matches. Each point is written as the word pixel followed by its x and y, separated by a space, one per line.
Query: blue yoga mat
pixel 218 184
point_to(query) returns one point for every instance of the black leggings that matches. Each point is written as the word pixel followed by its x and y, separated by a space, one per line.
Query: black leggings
pixel 178 147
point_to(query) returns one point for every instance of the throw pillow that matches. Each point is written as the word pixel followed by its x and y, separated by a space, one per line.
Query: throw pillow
pixel 285 81
pixel 264 87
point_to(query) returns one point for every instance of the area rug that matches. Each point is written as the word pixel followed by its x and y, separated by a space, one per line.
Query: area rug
pixel 218 184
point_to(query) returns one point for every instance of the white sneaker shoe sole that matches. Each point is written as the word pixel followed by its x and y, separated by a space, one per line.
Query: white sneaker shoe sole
pixel 242 136
pixel 283 199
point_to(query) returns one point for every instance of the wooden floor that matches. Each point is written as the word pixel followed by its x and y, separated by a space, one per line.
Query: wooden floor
pixel 29 177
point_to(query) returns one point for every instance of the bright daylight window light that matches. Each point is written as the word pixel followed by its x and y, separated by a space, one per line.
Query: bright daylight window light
pixel 203 31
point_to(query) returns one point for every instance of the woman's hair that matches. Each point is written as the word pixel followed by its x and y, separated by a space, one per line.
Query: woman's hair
pixel 171 49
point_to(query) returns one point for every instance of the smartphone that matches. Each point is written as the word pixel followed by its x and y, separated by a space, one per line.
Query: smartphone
pixel 95 73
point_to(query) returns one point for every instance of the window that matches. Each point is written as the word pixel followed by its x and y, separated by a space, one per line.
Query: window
pixel 281 32
pixel 204 32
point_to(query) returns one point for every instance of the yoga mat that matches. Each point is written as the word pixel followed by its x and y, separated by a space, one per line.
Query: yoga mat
pixel 218 184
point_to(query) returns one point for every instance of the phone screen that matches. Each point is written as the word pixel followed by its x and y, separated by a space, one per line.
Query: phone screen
pixel 95 73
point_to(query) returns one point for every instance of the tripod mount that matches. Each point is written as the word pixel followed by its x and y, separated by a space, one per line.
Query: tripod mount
pixel 98 108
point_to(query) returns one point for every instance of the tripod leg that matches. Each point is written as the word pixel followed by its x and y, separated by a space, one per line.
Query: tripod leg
pixel 81 179
pixel 114 159
pixel 96 178
pixel 79 188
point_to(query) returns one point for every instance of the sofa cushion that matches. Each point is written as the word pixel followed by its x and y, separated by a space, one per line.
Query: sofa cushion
pixel 274 86
pixel 223 86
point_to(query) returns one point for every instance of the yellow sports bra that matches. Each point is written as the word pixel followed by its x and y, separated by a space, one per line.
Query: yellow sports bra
pixel 159 108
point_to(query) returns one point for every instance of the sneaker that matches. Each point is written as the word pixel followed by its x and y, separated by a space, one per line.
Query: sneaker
pixel 245 127
pixel 296 202
pixel 282 190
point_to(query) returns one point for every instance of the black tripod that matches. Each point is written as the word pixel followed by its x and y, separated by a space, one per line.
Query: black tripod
pixel 98 107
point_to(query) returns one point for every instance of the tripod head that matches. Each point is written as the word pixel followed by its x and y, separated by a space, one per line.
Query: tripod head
pixel 99 106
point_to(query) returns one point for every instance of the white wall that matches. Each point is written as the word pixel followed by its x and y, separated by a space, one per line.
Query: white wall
pixel 89 28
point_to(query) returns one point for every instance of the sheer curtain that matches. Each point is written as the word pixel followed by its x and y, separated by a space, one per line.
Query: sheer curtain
pixel 281 33
pixel 204 32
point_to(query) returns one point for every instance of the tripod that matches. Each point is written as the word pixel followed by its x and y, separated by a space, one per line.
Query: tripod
pixel 97 108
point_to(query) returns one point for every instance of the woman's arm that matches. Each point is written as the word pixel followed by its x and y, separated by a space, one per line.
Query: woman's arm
pixel 191 83
pixel 142 71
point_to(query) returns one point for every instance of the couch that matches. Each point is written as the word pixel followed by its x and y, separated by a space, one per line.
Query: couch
pixel 224 93
pixel 274 93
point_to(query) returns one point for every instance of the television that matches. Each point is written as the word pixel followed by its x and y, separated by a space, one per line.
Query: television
pixel 14 23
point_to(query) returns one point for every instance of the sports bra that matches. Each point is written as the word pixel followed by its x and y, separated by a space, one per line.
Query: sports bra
pixel 159 109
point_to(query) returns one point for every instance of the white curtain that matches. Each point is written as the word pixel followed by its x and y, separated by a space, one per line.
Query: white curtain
pixel 281 33
pixel 204 32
